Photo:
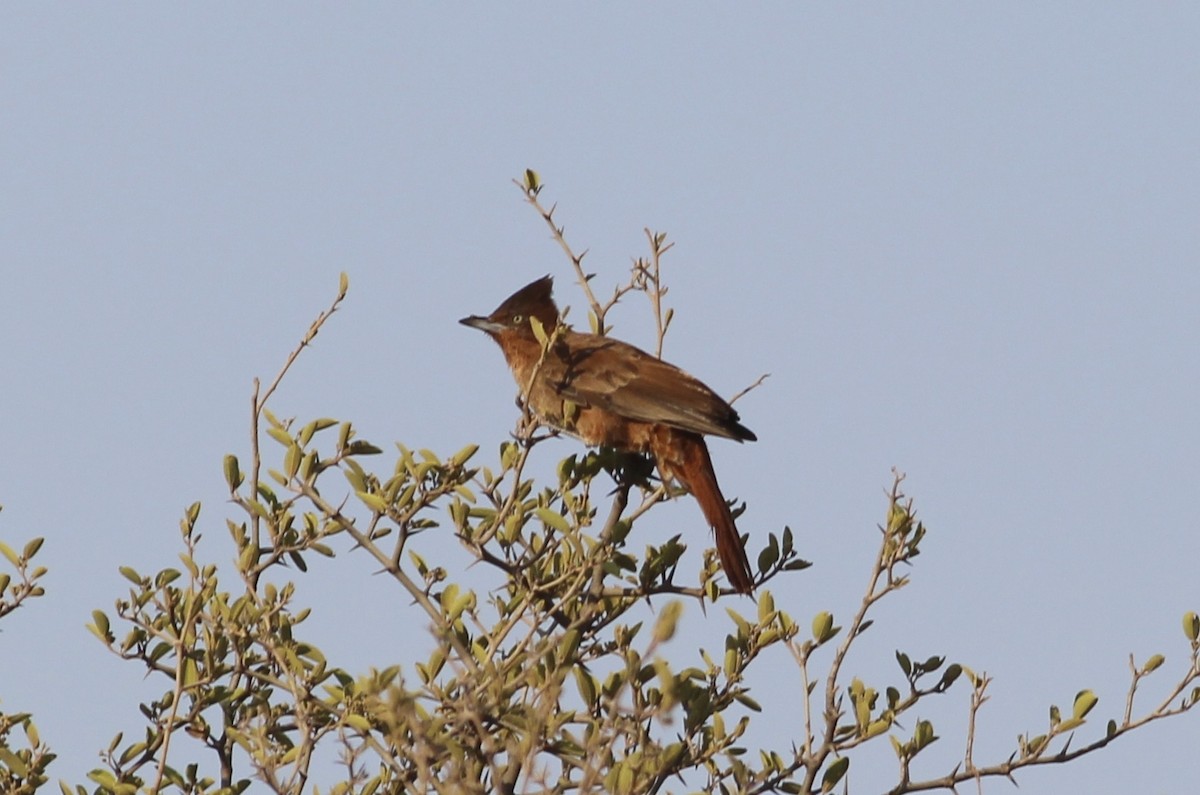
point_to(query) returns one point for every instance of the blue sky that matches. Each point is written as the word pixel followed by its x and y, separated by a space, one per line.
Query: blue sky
pixel 961 238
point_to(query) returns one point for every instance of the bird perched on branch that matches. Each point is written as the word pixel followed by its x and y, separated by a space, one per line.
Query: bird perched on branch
pixel 609 393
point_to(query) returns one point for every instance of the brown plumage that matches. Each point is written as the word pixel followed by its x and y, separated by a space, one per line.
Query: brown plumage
pixel 607 392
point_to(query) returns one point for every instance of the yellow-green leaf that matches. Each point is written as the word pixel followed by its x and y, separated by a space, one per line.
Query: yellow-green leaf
pixel 1084 701
pixel 233 473
pixel 1191 625
pixel 668 620
pixel 372 501
pixel 834 773
pixel 553 519
pixel 822 624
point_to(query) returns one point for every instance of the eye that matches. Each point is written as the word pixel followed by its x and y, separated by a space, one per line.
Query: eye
pixel 518 319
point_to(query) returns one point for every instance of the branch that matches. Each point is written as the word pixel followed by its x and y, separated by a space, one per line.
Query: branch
pixel 259 403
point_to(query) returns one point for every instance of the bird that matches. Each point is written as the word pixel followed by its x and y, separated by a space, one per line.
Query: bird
pixel 609 393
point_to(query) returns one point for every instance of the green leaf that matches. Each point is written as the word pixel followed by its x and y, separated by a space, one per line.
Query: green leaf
pixel 1152 664
pixel 248 558
pixel 103 778
pixel 822 626
pixel 950 675
pixel 233 473
pixel 101 622
pixel 291 461
pixel 13 762
pixel 358 722
pixel 766 606
pixel 743 626
pixel 924 735
pixel 509 453
pixel 463 455
pixel 668 620
pixel 280 435
pixel 8 553
pixel 1084 701
pixel 166 577
pixel 539 331
pixel 372 501
pixel 533 182
pixel 32 548
pixel 834 773
pixel 876 728
pixel 1191 625
pixel 769 555
pixel 553 519
pixel 586 684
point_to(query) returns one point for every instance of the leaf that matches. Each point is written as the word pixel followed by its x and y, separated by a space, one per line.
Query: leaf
pixel 924 735
pixel 587 686
pixel 539 331
pixel 822 625
pixel 668 620
pixel 876 728
pixel 100 626
pixel 32 548
pixel 1191 625
pixel 280 435
pixel 766 606
pixel 1084 701
pixel 358 722
pixel 553 519
pixel 533 182
pixel 952 672
pixel 13 762
pixel 743 626
pixel 769 555
pixel 834 773
pixel 291 461
pixel 372 501
pixel 233 473
pixel 463 455
pixel 1152 664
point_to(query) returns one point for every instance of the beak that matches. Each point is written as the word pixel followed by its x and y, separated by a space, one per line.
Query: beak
pixel 482 323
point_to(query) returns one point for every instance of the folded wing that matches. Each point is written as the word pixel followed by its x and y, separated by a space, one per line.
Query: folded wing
pixel 629 382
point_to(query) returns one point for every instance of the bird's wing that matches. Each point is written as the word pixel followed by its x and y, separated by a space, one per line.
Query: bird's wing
pixel 631 383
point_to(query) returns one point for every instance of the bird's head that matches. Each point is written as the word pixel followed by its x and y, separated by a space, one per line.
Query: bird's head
pixel 511 318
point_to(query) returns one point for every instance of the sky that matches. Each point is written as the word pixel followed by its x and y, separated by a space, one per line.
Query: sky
pixel 960 237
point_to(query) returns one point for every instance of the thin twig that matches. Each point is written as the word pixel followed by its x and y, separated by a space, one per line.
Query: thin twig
pixel 753 386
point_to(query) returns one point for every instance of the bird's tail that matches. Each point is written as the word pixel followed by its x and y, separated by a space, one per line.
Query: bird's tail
pixel 688 461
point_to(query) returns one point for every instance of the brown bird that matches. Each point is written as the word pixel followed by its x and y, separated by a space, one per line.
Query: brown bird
pixel 606 392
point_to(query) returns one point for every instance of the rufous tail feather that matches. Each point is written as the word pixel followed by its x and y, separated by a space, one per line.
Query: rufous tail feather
pixel 695 473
